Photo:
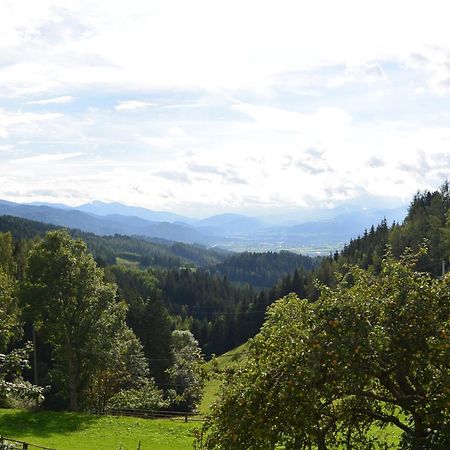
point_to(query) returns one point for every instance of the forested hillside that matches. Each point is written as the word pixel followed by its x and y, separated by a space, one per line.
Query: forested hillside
pixel 427 223
pixel 263 269
pixel 216 311
pixel 150 289
pixel 220 313
pixel 173 285
pixel 139 251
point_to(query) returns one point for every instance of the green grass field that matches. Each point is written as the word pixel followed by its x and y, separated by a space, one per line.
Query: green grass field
pixel 73 431
pixel 70 431
pixel 213 384
pixel 127 262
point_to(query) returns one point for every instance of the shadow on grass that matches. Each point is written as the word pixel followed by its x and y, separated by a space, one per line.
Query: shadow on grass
pixel 42 423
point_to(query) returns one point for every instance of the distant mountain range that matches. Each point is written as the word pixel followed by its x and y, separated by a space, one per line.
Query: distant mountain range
pixel 107 209
pixel 231 231
pixel 103 224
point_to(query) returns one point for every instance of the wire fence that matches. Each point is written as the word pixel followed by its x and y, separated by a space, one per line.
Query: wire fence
pixel 155 414
pixel 14 444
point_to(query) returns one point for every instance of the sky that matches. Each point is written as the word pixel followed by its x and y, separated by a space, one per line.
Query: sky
pixel 203 107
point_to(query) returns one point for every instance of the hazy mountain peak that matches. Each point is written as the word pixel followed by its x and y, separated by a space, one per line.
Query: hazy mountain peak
pixel 106 209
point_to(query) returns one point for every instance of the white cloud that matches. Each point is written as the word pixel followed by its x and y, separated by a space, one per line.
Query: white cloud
pixel 282 119
pixel 189 44
pixel 49 101
pixel 132 105
pixel 12 119
pixel 174 137
pixel 45 158
pixel 366 73
pixel 325 108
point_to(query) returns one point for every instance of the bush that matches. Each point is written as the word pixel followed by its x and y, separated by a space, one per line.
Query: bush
pixel 146 397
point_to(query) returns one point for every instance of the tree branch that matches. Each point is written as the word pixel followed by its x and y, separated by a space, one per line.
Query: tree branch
pixel 390 419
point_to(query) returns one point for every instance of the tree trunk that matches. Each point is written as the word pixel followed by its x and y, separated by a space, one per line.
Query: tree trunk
pixel 72 383
pixel 420 434
pixel 321 445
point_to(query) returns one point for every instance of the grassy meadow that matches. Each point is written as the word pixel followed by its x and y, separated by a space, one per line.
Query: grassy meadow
pixel 73 431
pixel 213 384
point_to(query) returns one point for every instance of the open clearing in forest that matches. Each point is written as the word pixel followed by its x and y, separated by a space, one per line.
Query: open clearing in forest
pixel 212 385
pixel 74 431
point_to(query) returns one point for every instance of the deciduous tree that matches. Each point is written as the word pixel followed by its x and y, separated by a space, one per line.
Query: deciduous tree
pixel 186 373
pixel 74 309
pixel 371 354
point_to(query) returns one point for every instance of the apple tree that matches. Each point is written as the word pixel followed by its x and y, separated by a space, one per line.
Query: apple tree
pixel 370 356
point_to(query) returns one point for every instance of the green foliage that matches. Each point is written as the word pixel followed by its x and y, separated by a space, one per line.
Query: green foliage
pixel 76 312
pixel 220 314
pixel 8 309
pixel 217 370
pixel 263 270
pixel 22 229
pixel 368 250
pixel 7 262
pixel 148 317
pixel 372 351
pixel 147 396
pixel 197 254
pixel 135 284
pixel 175 294
pixel 12 365
pixel 426 219
pixel 121 365
pixel 187 373
pixel 220 311
pixel 105 249
pixel 8 292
